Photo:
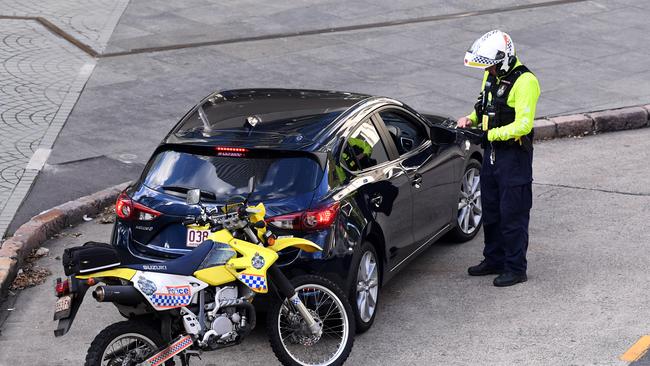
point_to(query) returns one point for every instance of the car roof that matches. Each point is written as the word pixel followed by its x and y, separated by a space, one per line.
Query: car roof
pixel 281 118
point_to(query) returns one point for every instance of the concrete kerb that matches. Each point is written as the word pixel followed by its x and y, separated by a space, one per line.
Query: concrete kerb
pixel 43 226
pixel 593 122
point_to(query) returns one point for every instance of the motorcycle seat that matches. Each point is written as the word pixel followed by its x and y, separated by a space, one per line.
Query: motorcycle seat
pixel 184 266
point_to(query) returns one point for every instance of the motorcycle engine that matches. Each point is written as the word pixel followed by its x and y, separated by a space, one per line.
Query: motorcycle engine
pixel 226 321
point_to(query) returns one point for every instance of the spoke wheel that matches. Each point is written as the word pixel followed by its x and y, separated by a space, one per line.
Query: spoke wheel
pixel 291 339
pixel 125 343
pixel 128 349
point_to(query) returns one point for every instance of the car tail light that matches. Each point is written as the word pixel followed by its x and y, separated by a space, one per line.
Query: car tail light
pixel 317 219
pixel 237 152
pixel 62 287
pixel 126 209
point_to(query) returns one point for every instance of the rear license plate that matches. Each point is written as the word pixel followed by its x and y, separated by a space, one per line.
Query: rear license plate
pixel 62 307
pixel 196 237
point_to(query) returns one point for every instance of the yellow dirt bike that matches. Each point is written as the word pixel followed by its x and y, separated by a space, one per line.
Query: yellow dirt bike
pixel 203 300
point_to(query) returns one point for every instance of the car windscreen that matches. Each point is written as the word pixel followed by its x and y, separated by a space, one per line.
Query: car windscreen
pixel 275 177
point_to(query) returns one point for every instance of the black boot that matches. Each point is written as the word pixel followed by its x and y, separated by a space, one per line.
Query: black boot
pixel 483 269
pixel 509 279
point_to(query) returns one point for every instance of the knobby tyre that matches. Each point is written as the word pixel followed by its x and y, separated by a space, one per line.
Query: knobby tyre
pixel 127 342
pixel 290 340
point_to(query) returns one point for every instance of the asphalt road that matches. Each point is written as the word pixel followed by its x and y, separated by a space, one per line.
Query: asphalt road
pixel 588 55
pixel 585 302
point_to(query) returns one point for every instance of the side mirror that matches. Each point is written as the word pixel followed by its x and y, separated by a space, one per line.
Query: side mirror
pixel 442 135
pixel 193 197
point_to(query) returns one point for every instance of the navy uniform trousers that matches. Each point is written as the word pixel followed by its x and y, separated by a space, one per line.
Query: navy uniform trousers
pixel 506 197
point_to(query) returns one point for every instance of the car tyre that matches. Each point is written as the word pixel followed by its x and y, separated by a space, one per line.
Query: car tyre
pixel 469 216
pixel 364 292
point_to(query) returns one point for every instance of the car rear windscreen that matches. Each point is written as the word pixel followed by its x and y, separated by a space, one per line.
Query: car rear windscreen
pixel 275 177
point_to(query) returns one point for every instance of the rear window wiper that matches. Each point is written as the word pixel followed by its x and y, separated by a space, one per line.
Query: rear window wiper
pixel 204 119
pixel 179 189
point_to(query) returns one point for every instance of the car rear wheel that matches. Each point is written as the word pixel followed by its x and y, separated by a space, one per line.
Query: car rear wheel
pixel 365 290
pixel 470 212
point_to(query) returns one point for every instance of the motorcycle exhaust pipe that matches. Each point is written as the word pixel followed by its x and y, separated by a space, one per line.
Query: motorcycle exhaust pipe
pixel 124 295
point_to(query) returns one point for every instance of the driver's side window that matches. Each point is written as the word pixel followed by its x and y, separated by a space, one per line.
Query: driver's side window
pixel 405 133
pixel 363 148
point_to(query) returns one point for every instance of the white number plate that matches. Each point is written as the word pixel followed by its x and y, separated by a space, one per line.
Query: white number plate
pixel 196 237
pixel 63 304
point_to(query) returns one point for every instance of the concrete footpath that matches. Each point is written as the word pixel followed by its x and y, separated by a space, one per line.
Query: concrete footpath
pixel 585 302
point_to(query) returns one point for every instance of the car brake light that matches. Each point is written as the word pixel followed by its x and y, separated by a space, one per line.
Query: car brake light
pixel 123 206
pixel 126 209
pixel 62 287
pixel 317 219
pixel 237 152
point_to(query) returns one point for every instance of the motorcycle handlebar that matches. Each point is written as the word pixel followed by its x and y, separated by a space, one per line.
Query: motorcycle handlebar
pixel 189 220
pixel 238 219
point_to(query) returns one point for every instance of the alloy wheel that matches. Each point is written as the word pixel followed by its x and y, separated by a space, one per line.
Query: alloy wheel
pixel 367 286
pixel 470 210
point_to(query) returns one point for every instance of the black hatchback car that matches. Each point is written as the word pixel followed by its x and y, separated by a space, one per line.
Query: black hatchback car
pixel 367 178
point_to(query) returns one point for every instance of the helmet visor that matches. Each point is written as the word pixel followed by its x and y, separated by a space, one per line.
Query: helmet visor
pixel 479 62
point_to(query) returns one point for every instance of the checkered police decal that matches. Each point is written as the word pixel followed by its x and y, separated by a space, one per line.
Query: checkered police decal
pixel 169 352
pixel 483 60
pixel 253 281
pixel 176 296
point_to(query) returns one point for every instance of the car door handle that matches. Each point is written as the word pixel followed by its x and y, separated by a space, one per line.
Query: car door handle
pixel 376 200
pixel 417 181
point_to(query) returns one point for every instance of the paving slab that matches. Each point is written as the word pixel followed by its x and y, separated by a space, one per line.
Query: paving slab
pixel 90 21
pixel 41 76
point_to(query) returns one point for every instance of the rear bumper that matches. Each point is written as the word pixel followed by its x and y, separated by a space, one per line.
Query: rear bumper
pixel 293 262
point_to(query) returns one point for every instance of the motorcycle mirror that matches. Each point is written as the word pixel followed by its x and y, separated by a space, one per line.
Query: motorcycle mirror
pixel 251 189
pixel 251 185
pixel 193 197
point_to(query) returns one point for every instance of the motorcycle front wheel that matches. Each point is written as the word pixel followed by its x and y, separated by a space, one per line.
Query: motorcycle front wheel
pixel 290 338
pixel 124 343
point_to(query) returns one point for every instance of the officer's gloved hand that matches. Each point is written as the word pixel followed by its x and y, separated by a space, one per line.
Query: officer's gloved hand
pixel 484 140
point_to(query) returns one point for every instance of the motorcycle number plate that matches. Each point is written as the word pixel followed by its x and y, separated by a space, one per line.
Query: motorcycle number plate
pixel 196 237
pixel 62 304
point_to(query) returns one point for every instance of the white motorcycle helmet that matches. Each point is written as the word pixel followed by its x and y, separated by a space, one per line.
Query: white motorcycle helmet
pixel 493 48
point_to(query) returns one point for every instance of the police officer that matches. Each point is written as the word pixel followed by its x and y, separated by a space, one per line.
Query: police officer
pixel 505 112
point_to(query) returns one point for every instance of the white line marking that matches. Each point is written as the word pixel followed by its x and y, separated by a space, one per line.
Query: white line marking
pixel 38 159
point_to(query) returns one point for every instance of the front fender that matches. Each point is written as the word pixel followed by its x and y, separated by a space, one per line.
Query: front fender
pixel 302 244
